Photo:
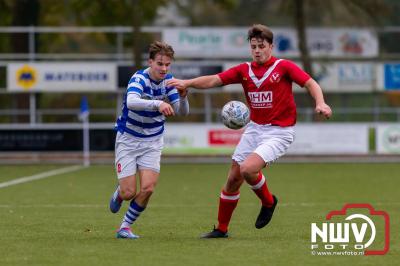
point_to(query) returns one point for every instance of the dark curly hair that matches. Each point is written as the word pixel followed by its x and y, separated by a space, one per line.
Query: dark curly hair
pixel 260 31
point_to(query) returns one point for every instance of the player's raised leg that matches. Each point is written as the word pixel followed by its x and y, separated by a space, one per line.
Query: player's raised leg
pixel 126 190
pixel 116 201
pixel 250 169
pixel 228 201
pixel 148 181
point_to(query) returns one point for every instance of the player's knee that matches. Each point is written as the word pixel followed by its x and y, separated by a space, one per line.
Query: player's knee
pixel 148 190
pixel 247 172
pixel 127 193
pixel 234 182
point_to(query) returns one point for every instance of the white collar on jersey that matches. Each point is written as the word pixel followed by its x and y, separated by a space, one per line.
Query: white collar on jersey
pixel 257 81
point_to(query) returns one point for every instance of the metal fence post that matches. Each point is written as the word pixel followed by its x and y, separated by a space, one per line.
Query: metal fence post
pixel 32 95
pixel 120 44
pixel 32 108
pixel 207 107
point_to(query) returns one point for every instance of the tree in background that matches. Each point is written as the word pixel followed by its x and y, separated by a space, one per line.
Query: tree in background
pixel 206 13
pixel 331 13
pixel 134 13
pixel 298 14
pixel 19 13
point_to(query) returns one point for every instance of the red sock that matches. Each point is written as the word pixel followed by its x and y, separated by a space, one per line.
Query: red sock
pixel 227 204
pixel 260 188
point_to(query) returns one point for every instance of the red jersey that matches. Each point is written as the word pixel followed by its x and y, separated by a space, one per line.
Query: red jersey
pixel 268 89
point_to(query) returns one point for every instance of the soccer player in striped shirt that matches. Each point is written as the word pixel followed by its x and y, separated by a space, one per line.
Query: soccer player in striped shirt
pixel 140 127
pixel 267 85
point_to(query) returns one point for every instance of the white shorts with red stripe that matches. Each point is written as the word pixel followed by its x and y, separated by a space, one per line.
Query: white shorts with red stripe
pixel 132 154
pixel 268 141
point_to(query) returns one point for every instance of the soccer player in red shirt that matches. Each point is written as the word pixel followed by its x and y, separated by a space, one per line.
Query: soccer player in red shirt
pixel 267 84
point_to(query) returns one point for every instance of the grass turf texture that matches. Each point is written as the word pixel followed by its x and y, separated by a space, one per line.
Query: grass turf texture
pixel 64 220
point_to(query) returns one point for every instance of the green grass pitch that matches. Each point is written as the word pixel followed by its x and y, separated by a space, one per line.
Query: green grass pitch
pixel 64 219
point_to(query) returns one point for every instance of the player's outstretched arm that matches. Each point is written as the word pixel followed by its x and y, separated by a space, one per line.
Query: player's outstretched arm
pixel 316 92
pixel 203 82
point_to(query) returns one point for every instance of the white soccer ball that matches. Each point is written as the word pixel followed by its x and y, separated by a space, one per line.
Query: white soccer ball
pixel 235 115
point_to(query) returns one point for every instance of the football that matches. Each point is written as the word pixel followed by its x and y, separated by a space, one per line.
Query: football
pixel 235 115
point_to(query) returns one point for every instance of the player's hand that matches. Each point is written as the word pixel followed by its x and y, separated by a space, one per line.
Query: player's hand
pixel 166 109
pixel 323 109
pixel 180 84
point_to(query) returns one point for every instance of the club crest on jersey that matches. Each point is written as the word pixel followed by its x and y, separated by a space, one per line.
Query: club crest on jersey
pixel 262 99
pixel 275 77
pixel 119 168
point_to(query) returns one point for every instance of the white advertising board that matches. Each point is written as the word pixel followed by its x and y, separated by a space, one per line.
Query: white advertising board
pixel 208 42
pixel 218 42
pixel 187 135
pixel 310 138
pixel 61 77
pixel 388 139
pixel 330 139
pixel 346 76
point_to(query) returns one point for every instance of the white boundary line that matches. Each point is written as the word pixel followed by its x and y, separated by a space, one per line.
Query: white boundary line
pixel 41 175
pixel 105 206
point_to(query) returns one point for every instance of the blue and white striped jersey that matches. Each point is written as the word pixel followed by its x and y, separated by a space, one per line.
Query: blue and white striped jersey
pixel 145 123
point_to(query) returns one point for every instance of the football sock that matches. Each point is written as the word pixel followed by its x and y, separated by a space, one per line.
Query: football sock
pixel 132 214
pixel 227 204
pixel 260 188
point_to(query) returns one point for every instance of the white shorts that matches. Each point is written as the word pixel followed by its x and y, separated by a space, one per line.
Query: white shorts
pixel 132 153
pixel 270 142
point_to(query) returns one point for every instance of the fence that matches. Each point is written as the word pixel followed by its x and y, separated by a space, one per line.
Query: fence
pixel 206 106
